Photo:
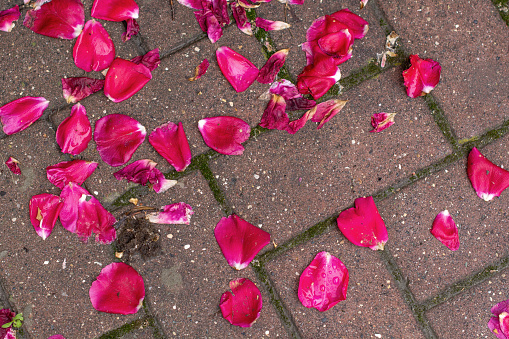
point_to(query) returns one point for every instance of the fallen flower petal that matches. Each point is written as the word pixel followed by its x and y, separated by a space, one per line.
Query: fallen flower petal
pixel 271 68
pixel 7 18
pixel 193 4
pixel 381 121
pixel 62 19
pixel 57 336
pixel 44 211
pixel 170 141
pixel 239 240
pixel 178 214
pixel 143 172
pixel 274 116
pixel 325 111
pixel 118 289
pixel 13 165
pixel 117 137
pixel 76 89
pixel 225 134
pixel 6 316
pixel 75 132
pixel 323 283
pixel 124 79
pixel 21 113
pixel 356 25
pixel 115 10
pixel 151 60
pixel 240 16
pixel 318 79
pixel 270 25
pixel 488 180
pixel 94 49
pixel 210 24
pixel 445 230
pixel 363 225
pixel 292 2
pixel 363 3
pixel 286 89
pixel 422 76
pixel 239 71
pixel 132 28
pixel 76 171
pixel 499 324
pixel 248 4
pixel 200 70
pixel 242 306
pixel 298 104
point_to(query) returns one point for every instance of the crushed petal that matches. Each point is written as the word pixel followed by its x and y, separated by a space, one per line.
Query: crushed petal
pixel 76 89
pixel 21 113
pixel 74 133
pixel 225 134
pixel 7 18
pixel 133 28
pixel 62 19
pixel 143 172
pixel 242 306
pixel 176 214
pixel 381 121
pixel 170 141
pixel 271 68
pixel 422 76
pixel 76 171
pixel 44 211
pixel 239 71
pixel 151 60
pixel 240 16
pixel 13 165
pixel 200 70
pixel 445 230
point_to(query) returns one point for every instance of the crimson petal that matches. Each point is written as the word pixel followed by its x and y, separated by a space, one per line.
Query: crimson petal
pixel 318 79
pixel 499 324
pixel 175 214
pixel 239 71
pixel 381 121
pixel 193 4
pixel 242 306
pixel 76 89
pixel 239 240
pixel 356 25
pixel 21 113
pixel 93 50
pixel 445 230
pixel 143 172
pixel 422 76
pixel 274 116
pixel 225 134
pixel 13 165
pixel 124 79
pixel 8 17
pixel 285 88
pixel 151 59
pixel 326 110
pixel 488 180
pixel 200 70
pixel 271 68
pixel 118 289
pixel 115 10
pixel 44 210
pixel 6 316
pixel 323 283
pixel 171 143
pixel 75 132
pixel 62 19
pixel 240 16
pixel 132 28
pixel 76 171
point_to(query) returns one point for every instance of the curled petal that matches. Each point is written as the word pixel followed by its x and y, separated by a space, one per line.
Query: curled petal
pixel 248 4
pixel 285 88
pixel 200 70
pixel 209 24
pixel 8 17
pixel 132 28
pixel 422 76
pixel 76 171
pixel 143 172
pixel 274 116
pixel 21 113
pixel 62 19
pixel 151 60
pixel 357 26
pixel 44 210
pixel 13 165
pixel 363 225
pixel 6 316
pixel 326 110
pixel 239 71
pixel 75 132
pixel 225 134
pixel 117 137
pixel 488 180
pixel 76 89
pixel 240 16
pixel 171 143
pixel 124 79
pixel 318 79
pixel 323 283
pixel 270 25
pixel 239 240
pixel 445 230
pixel 118 289
pixel 242 306
pixel 94 49
pixel 381 121
pixel 271 68
pixel 115 10
pixel 178 214
pixel 499 324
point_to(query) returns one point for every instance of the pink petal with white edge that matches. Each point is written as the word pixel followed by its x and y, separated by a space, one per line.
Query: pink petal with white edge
pixel 74 133
pixel 242 306
pixel 271 68
pixel 21 113
pixel 13 165
pixel 170 141
pixel 94 49
pixel 200 70
pixel 225 134
pixel 115 10
pixel 62 19
pixel 363 3
pixel 151 59
pixel 240 16
pixel 285 88
pixel 76 171
pixel 174 214
pixel 6 316
pixel 326 110
pixel 357 26
pixel 239 241
pixel 143 172
pixel 422 76
pixel 193 4
pixel 381 121
pixel 488 180
pixel 44 211
pixel 363 225
pixel 117 137
pixel 76 89
pixel 124 79
pixel 445 230
pixel 274 116
pixel 8 17
pixel 323 283
pixel 270 25
pixel 239 71
pixel 119 289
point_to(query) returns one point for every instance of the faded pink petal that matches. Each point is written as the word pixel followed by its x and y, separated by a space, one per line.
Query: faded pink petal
pixel 200 70
pixel 64 172
pixel 13 165
pixel 271 68
pixel 124 79
pixel 132 28
pixel 357 26
pixel 363 225
pixel 488 180
pixel 326 110
pixel 422 76
pixel 240 16
pixel 178 214
pixel 17 115
pixel 75 132
pixel 285 88
pixel 44 210
pixel 499 324
pixel 225 134
pixel 7 18
pixel 115 10
pixel 118 289
pixel 151 60
pixel 117 137
pixel 193 4
pixel 381 121
pixel 170 141
pixel 274 116
pixel 6 316
pixel 144 171
pixel 318 79
pixel 62 19
pixel 323 283
pixel 363 3
pixel 270 25
pixel 94 49
pixel 239 240
pixel 57 336
pixel 242 306
pixel 76 89
pixel 239 71
pixel 445 230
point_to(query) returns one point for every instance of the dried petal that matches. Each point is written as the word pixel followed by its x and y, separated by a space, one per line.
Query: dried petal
pixel 274 116
pixel 240 16
pixel 7 19
pixel 298 104
pixel 318 79
pixel 75 132
pixel 200 70
pixel 422 76
pixel 270 25
pixel 499 324
pixel 271 68
pixel 117 137
pixel 115 10
pixel 248 4
pixel 94 49
pixel 323 283
pixel 225 134
pixel 445 230
pixel 363 225
pixel 21 113
pixel 64 172
pixel 488 180
pixel 357 26
pixel 171 143
pixel 381 121
pixel 242 306
pixel 143 172
pixel 239 71
pixel 118 289
pixel 76 89
pixel 325 111
pixel 6 316
pixel 239 240
pixel 13 165
pixel 44 210
pixel 132 28
pixel 178 214
pixel 124 79
pixel 62 19
pixel 151 60
pixel 363 3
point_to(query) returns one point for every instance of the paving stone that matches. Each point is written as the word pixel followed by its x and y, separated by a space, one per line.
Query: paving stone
pixel 429 265
pixel 370 293
pixel 473 77
pixel 287 183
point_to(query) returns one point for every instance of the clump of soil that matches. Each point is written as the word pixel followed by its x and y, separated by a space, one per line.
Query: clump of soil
pixel 138 236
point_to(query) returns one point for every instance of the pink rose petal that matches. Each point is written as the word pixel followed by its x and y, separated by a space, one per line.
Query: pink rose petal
pixel 76 89
pixel 239 241
pixel 118 289
pixel 13 165
pixel 115 10
pixel 357 26
pixel 7 18
pixel 225 134
pixel 171 143
pixel 117 137
pixel 94 49
pixel 445 230
pixel 133 28
pixel 151 60
pixel 318 79
pixel 286 89
pixel 240 16
pixel 488 180
pixel 323 283
pixel 239 71
pixel 44 210
pixel 242 306
pixel 499 324
pixel 381 121
pixel 62 19
pixel 200 70
pixel 193 4
pixel 124 79
pixel 270 25
pixel 274 116
pixel 248 4
pixel 177 214
pixel 325 111
pixel 422 76
pixel 74 133
pixel 57 336
pixel 212 17
pixel 6 316
pixel 64 172
pixel 144 171
pixel 363 225
pixel 271 68
pixel 21 113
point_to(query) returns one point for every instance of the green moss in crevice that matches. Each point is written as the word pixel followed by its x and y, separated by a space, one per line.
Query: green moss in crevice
pixel 126 328
pixel 367 72
pixel 503 9
pixel 214 187
pixel 441 120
